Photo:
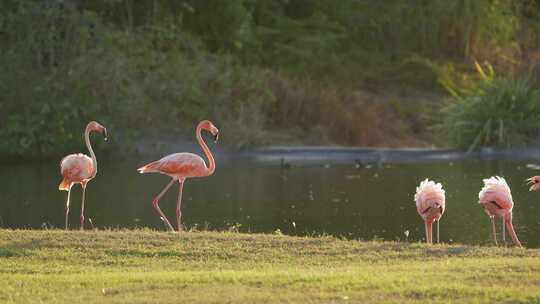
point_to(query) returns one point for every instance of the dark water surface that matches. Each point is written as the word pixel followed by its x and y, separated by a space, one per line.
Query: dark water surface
pixel 350 200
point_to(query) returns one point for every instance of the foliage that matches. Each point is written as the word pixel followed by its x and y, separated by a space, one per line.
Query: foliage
pixel 144 66
pixel 63 68
pixel 501 112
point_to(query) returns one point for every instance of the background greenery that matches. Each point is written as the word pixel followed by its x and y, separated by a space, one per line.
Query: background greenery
pixel 353 72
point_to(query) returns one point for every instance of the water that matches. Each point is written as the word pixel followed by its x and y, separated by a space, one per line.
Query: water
pixel 348 200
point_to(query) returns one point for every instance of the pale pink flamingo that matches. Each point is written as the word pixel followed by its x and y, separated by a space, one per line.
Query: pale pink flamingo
pixel 80 169
pixel 496 199
pixel 534 181
pixel 180 166
pixel 430 204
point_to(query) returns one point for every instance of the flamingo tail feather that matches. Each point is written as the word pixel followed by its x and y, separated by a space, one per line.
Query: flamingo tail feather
pixel 64 185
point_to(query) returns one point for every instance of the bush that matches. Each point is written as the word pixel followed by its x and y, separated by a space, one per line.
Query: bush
pixel 499 112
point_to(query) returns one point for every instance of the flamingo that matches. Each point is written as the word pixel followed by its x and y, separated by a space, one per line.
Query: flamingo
pixel 430 204
pixel 80 169
pixel 180 166
pixel 534 181
pixel 496 199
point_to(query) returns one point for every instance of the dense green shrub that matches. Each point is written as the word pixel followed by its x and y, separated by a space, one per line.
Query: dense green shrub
pixel 501 112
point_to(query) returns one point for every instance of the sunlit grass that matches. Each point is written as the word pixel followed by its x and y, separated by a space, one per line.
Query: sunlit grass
pixel 145 266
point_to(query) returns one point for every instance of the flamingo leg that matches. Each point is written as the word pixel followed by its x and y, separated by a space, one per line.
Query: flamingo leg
pixel 494 232
pixel 503 231
pixel 155 204
pixel 438 231
pixel 82 205
pixel 178 206
pixel 67 206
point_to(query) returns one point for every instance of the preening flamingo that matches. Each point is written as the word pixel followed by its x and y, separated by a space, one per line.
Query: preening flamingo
pixel 430 204
pixel 180 166
pixel 534 181
pixel 80 169
pixel 496 199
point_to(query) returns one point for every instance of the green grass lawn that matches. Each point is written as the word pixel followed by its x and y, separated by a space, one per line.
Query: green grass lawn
pixel 145 266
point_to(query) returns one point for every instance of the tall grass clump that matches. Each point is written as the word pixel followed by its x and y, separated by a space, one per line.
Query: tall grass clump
pixel 497 112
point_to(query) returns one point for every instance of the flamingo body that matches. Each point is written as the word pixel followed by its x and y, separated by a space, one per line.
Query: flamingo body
pixel 496 198
pixel 178 166
pixel 430 204
pixel 76 169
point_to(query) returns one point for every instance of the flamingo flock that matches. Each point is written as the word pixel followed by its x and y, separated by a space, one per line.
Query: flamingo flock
pixel 495 196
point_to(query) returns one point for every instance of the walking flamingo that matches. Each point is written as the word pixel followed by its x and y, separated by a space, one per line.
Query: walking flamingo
pixel 430 204
pixel 496 199
pixel 80 169
pixel 180 166
pixel 534 181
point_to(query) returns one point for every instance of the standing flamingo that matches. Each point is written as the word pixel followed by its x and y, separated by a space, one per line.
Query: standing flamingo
pixel 80 169
pixel 534 181
pixel 180 166
pixel 496 199
pixel 430 204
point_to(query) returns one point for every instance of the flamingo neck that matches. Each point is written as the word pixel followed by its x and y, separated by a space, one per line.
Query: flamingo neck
pixel 429 231
pixel 89 146
pixel 212 165
pixel 510 227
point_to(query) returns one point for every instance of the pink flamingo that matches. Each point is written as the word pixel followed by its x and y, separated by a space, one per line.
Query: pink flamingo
pixel 180 166
pixel 430 204
pixel 534 181
pixel 80 169
pixel 496 199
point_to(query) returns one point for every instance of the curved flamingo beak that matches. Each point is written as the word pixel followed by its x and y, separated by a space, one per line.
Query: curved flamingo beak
pixel 105 133
pixel 533 183
pixel 216 137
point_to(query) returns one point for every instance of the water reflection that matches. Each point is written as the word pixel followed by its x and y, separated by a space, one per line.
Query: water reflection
pixel 355 201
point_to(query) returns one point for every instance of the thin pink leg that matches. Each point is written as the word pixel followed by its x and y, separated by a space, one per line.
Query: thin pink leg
pixel 179 205
pixel 494 230
pixel 82 205
pixel 67 206
pixel 155 204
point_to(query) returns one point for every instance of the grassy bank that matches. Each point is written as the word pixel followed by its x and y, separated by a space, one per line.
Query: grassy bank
pixel 208 267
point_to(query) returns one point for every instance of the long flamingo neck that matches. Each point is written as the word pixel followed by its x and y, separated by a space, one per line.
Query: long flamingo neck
pixel 212 164
pixel 429 232
pixel 510 227
pixel 89 146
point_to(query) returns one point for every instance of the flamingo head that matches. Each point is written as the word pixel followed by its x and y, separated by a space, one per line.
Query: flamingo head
pixel 534 181
pixel 209 126
pixel 96 126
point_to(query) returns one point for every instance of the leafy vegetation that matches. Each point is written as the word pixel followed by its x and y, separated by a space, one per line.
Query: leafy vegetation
pixel 272 71
pixel 497 111
pixel 145 266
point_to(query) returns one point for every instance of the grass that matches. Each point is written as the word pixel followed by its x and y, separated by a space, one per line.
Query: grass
pixel 145 266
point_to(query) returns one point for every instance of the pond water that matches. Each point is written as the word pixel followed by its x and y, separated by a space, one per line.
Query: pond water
pixel 360 201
